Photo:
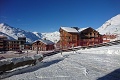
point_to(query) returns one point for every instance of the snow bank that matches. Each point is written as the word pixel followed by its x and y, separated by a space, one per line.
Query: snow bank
pixel 103 50
pixel 113 51
pixel 19 59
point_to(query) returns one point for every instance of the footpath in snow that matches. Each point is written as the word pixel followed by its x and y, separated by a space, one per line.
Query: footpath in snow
pixel 101 63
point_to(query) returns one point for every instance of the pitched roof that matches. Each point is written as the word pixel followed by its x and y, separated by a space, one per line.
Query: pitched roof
pixel 81 29
pixel 69 29
pixel 47 42
pixel 90 29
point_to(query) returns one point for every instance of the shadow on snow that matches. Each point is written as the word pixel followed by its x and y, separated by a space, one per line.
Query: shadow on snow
pixel 115 75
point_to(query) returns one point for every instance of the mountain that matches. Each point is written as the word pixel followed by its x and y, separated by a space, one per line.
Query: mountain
pixel 9 37
pixel 53 36
pixel 111 26
pixel 14 33
pixel 39 35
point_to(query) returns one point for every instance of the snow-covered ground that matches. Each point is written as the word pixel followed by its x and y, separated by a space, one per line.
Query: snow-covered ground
pixel 101 63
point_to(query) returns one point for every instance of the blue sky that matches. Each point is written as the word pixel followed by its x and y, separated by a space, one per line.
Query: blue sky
pixel 49 15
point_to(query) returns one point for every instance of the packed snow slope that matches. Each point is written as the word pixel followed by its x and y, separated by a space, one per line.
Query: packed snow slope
pixel 101 63
pixel 111 26
pixel 14 33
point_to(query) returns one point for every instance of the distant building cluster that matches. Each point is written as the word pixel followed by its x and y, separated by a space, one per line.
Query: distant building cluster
pixel 21 44
pixel 69 37
pixel 108 37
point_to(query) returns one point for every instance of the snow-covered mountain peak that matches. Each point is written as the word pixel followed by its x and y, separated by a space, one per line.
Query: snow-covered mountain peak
pixel 6 28
pixel 35 32
pixel 39 35
pixel 111 26
pixel 115 20
pixel 3 24
pixel 53 36
pixel 14 33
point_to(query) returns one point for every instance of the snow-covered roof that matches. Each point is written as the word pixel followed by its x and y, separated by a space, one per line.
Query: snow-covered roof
pixel 47 42
pixel 81 29
pixel 73 30
pixel 69 29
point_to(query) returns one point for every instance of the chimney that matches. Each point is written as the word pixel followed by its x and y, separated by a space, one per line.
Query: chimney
pixel 75 28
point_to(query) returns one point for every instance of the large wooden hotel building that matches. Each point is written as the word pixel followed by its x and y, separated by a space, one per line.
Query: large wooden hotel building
pixel 73 36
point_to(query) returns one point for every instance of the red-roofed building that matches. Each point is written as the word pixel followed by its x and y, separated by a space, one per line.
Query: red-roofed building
pixel 109 37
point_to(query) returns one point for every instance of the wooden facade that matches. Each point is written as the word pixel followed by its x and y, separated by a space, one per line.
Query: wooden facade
pixel 43 45
pixel 68 39
pixel 90 36
pixel 86 37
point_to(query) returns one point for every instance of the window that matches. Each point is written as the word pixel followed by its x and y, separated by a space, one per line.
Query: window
pixel 69 37
pixel 95 34
pixel 90 34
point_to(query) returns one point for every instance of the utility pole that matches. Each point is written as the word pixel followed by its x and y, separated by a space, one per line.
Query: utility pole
pixel 37 46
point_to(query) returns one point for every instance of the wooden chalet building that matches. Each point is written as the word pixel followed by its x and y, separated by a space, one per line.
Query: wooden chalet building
pixel 68 37
pixel 73 36
pixel 43 45
pixel 89 36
